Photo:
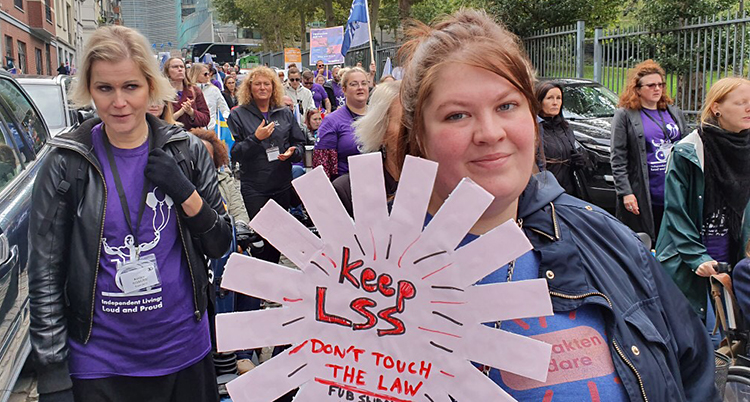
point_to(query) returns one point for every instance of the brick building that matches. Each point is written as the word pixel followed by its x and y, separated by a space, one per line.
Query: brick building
pixel 28 36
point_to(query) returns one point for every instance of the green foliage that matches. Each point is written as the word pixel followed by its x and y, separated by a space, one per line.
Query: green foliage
pixel 669 13
pixel 428 10
pixel 525 17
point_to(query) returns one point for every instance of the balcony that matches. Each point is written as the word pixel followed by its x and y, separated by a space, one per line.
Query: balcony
pixel 41 19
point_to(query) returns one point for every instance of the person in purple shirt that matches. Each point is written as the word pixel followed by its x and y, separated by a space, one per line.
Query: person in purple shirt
pixel 320 97
pixel 644 130
pixel 334 90
pixel 336 141
pixel 117 262
pixel 320 69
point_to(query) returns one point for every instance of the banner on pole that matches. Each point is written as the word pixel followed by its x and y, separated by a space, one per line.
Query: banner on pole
pixel 325 44
pixel 357 31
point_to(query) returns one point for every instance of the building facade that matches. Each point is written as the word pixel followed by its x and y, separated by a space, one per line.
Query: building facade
pixel 29 38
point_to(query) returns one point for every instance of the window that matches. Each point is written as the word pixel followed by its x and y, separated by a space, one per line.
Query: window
pixel 10 158
pixel 18 4
pixel 49 59
pixel 48 11
pixel 8 49
pixel 33 133
pixel 22 57
pixel 39 68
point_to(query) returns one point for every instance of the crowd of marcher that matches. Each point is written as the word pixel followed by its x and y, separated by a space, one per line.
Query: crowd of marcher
pixel 130 210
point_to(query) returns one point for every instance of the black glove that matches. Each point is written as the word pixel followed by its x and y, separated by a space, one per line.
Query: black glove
pixel 247 237
pixel 577 160
pixel 59 396
pixel 162 171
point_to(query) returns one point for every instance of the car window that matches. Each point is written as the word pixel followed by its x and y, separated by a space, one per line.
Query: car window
pixel 32 134
pixel 10 158
pixel 49 100
pixel 585 102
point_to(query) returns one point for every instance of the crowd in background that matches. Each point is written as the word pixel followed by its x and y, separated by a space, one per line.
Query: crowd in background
pixel 685 191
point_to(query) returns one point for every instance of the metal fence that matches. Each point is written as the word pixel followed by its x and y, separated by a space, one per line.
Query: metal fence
pixel 694 55
pixel 557 52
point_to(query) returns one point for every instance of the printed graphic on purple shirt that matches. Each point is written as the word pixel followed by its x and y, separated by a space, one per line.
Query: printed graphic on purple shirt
pixel 715 235
pixel 129 325
pixel 339 94
pixel 661 133
pixel 319 94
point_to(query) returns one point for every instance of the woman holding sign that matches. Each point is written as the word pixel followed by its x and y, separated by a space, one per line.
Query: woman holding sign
pixel 125 211
pixel 267 141
pixel 621 330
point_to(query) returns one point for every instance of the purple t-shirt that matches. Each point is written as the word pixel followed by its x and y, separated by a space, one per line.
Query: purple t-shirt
pixel 329 75
pixel 319 94
pixel 715 236
pixel 150 332
pixel 336 132
pixel 656 125
pixel 339 94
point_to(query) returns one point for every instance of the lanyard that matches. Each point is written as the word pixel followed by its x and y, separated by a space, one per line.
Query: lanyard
pixel 662 126
pixel 121 190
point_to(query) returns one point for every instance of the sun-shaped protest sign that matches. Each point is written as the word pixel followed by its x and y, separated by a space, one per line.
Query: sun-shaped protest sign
pixel 382 307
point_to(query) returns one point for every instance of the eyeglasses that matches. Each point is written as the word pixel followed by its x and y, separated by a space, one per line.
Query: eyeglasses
pixel 206 74
pixel 294 79
pixel 653 86
pixel 356 84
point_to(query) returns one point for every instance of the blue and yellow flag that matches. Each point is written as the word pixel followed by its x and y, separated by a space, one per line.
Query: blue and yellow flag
pixel 222 130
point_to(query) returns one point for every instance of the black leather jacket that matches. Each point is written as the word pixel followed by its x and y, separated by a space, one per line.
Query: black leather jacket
pixel 65 233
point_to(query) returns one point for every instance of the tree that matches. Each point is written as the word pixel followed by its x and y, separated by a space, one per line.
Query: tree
pixel 667 13
pixel 524 17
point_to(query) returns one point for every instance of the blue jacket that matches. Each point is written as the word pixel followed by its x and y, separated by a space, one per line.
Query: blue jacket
pixel 660 348
pixel 741 287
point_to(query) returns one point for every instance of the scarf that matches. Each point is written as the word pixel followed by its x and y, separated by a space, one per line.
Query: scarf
pixel 727 175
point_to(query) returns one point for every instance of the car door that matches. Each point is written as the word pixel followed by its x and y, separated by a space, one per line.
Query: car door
pixel 22 139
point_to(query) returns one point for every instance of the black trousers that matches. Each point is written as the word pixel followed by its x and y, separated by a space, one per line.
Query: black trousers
pixel 196 383
pixel 253 204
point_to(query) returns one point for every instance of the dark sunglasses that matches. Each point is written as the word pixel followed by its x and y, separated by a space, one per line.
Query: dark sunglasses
pixel 653 86
pixel 294 79
pixel 206 74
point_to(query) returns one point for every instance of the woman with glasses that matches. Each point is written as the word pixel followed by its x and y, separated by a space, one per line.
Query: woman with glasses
pixel 336 141
pixel 190 107
pixel 644 130
pixel 201 75
pixel 230 91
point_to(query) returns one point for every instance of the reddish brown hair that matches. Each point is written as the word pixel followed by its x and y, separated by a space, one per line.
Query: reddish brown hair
pixel 469 37
pixel 629 99
pixel 220 155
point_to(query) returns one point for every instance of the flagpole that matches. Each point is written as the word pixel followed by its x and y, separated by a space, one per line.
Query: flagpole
pixel 369 36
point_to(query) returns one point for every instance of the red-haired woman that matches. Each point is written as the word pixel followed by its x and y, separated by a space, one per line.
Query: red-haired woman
pixel 190 108
pixel 644 130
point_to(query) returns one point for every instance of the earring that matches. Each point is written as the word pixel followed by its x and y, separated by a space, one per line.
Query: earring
pixel 717 114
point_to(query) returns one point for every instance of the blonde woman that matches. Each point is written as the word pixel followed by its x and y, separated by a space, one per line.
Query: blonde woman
pixel 336 140
pixel 268 140
pixel 105 288
pixel 707 187
pixel 189 106
pixel 201 75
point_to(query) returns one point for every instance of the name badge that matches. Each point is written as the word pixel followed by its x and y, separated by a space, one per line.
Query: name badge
pixel 273 154
pixel 137 275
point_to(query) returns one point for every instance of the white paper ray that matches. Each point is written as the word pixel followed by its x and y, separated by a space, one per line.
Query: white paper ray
pixel 486 254
pixel 279 375
pixel 519 355
pixel 261 279
pixel 410 204
pixel 368 189
pixel 509 300
pixel 324 206
pixel 460 374
pixel 286 233
pixel 451 223
pixel 255 329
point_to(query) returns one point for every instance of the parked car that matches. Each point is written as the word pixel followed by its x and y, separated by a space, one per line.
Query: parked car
pixel 50 94
pixel 23 136
pixel 589 107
